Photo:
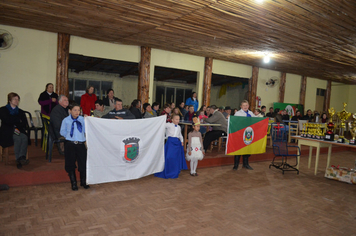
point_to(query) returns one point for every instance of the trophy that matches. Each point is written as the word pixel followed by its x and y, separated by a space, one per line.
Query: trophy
pixel 329 134
pixel 343 116
pixel 304 130
pixel 352 127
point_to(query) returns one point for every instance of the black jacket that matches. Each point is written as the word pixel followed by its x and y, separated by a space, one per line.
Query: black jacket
pixel 8 123
pixel 57 115
pixel 123 113
pixel 136 112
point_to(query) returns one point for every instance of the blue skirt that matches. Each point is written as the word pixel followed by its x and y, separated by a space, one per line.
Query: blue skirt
pixel 174 159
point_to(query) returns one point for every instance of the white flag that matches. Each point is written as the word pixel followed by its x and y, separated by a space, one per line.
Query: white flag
pixel 124 149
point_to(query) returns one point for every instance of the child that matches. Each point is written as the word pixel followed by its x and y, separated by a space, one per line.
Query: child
pixel 201 118
pixel 195 147
pixel 173 151
pixel 73 130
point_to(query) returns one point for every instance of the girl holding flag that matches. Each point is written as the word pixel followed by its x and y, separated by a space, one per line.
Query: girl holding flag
pixel 244 111
pixel 173 151
pixel 73 130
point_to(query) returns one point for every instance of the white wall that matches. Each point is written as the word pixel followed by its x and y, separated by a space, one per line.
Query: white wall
pixel 310 95
pixel 268 95
pixel 28 65
pixel 292 89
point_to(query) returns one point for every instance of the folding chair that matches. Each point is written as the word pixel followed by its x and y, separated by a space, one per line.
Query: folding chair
pixel 281 150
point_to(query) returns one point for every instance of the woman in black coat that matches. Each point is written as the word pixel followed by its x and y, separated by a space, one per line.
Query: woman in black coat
pixel 48 100
pixel 13 128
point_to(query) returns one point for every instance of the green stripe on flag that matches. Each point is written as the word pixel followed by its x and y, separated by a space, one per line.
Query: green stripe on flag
pixel 239 122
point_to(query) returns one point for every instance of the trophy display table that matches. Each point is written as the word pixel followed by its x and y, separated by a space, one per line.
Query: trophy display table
pixel 318 144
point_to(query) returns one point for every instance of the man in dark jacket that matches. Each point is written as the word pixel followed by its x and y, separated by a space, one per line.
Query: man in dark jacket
pixel 119 113
pixel 135 109
pixel 58 114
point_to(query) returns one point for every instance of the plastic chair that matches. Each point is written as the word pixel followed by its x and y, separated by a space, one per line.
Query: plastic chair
pixel 31 126
pixel 40 124
pixel 51 140
pixel 281 149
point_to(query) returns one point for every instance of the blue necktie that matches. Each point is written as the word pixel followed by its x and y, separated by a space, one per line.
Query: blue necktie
pixel 79 126
pixel 175 125
pixel 248 115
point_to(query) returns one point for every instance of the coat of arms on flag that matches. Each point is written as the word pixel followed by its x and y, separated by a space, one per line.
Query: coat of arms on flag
pixel 246 135
pixel 131 149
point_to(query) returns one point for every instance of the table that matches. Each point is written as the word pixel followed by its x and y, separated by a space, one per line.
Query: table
pixel 318 143
pixel 186 123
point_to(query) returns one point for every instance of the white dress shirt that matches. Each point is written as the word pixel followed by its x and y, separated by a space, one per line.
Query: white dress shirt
pixel 242 113
pixel 174 131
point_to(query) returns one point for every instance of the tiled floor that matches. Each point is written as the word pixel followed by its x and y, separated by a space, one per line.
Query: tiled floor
pixel 219 201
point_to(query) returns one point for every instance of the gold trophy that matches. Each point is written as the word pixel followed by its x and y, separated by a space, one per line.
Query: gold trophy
pixel 304 130
pixel 343 116
pixel 352 127
pixel 329 134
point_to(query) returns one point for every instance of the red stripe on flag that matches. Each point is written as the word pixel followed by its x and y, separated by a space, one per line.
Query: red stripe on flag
pixel 235 141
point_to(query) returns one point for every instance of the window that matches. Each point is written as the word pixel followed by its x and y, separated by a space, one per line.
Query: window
pixel 77 87
pixel 171 94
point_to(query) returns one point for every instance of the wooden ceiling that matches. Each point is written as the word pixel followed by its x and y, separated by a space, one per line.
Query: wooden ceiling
pixel 315 38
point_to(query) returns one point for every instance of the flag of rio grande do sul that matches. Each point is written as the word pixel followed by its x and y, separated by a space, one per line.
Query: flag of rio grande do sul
pixel 246 135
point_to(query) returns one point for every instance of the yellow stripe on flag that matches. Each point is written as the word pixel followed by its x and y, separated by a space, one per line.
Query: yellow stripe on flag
pixel 254 148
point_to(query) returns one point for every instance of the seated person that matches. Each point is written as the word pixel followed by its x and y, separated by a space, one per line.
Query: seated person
pixel 258 113
pixel 109 100
pixel 176 111
pixel 58 113
pixel 271 113
pixel 135 109
pixel 155 107
pixel 148 111
pixel 118 112
pixel 218 131
pixel 101 109
pixel 324 118
pixel 285 115
pixel 190 114
pixel 297 116
pixel 309 116
pixel 202 116
pixel 263 111
pixel 13 129
pixel 167 111
pixel 227 112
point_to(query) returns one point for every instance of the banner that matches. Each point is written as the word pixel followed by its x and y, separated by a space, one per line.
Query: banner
pixel 246 135
pixel 121 150
pixel 289 107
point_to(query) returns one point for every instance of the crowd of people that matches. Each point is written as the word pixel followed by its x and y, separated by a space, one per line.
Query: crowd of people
pixel 67 123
